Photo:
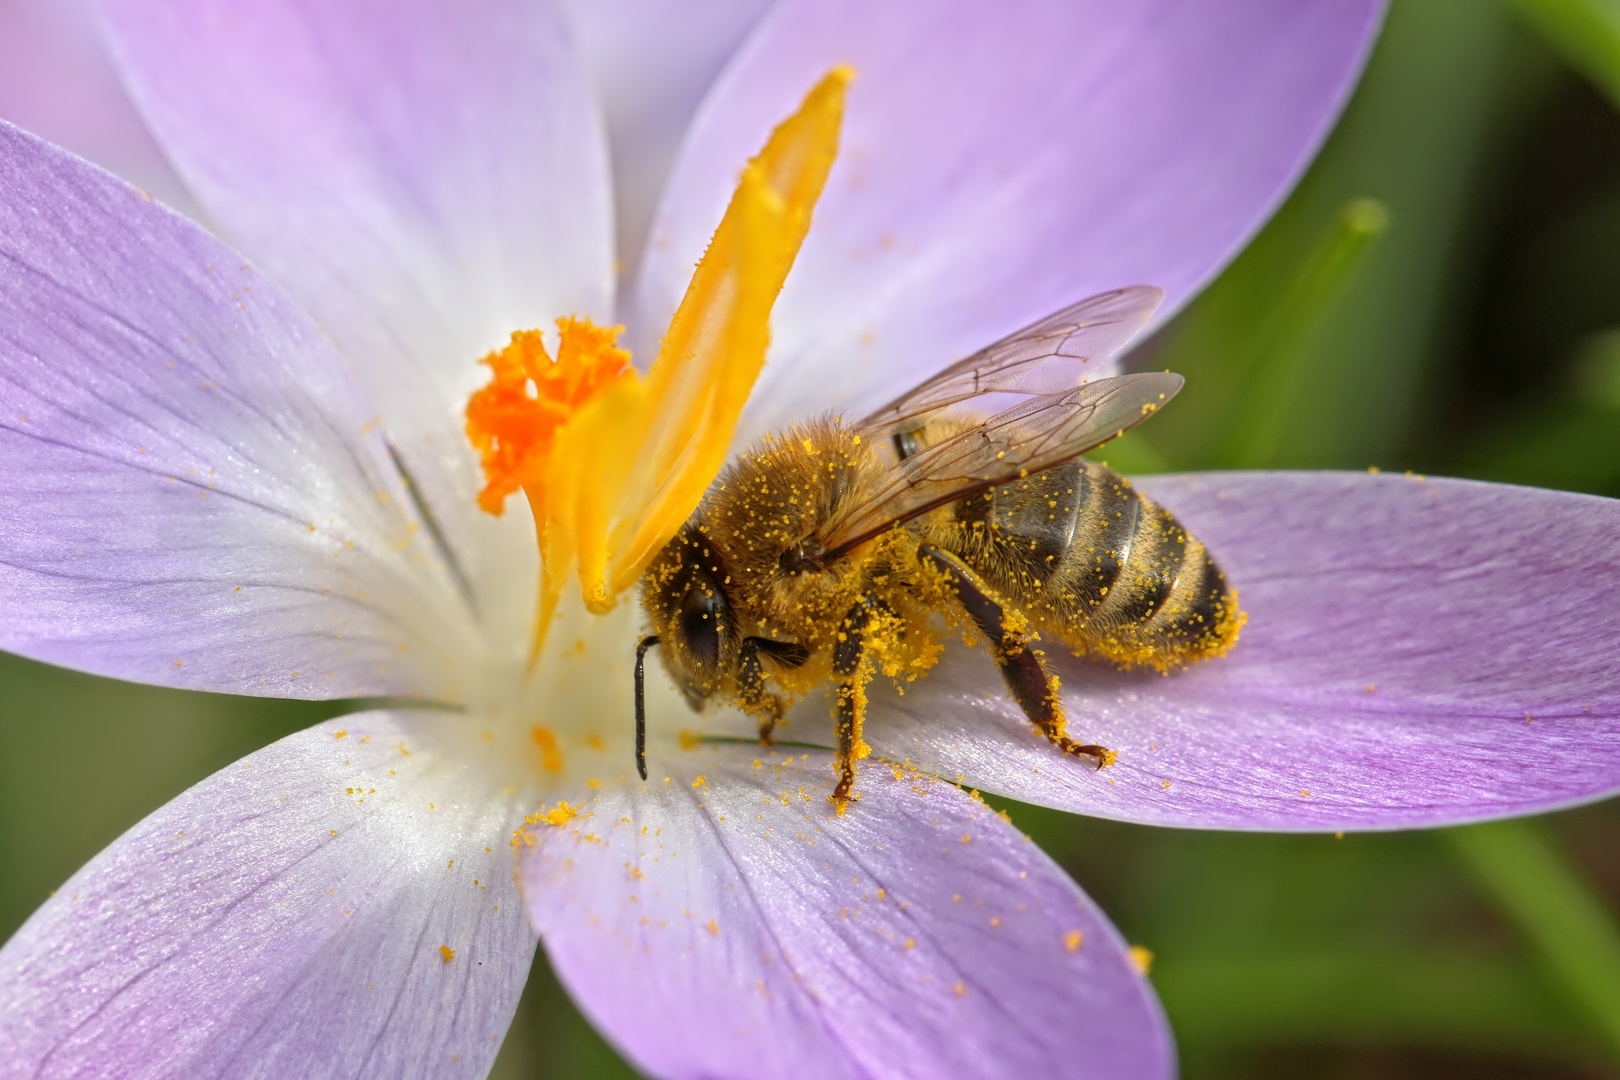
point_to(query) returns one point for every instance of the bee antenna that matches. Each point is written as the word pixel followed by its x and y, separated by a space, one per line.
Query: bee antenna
pixel 641 702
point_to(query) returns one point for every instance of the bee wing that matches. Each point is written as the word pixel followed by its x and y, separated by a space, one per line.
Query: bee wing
pixel 1019 442
pixel 1046 357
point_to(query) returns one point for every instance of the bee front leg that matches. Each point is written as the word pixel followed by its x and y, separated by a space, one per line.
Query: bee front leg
pixel 1035 691
pixel 768 722
pixel 751 693
pixel 850 673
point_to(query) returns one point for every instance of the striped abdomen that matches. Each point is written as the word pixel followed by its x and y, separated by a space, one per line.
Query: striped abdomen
pixel 1096 564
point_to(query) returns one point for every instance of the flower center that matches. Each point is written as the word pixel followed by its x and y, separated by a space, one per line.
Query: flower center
pixel 613 462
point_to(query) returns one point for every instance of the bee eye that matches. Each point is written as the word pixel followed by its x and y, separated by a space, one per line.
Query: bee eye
pixel 701 612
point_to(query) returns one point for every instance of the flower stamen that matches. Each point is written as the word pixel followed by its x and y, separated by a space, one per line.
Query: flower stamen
pixel 613 463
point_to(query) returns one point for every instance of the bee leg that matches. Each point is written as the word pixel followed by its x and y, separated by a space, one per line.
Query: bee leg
pixel 767 724
pixel 851 675
pixel 751 693
pixel 1035 691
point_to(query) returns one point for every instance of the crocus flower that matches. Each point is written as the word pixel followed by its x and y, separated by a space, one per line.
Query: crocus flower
pixel 248 472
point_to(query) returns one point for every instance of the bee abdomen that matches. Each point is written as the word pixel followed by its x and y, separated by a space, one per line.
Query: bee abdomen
pixel 1200 616
pixel 1100 566
pixel 1158 548
pixel 1168 603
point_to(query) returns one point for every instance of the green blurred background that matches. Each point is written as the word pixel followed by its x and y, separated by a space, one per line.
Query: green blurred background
pixel 1442 293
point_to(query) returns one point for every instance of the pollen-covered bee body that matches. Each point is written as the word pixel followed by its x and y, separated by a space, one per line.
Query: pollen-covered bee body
pixel 770 503
pixel 833 551
pixel 734 587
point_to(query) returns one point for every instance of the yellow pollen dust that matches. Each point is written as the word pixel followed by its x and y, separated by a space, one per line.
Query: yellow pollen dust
pixel 613 462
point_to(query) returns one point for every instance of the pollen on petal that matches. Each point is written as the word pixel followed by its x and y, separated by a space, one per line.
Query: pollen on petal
pixel 561 814
pixel 447 952
pixel 551 758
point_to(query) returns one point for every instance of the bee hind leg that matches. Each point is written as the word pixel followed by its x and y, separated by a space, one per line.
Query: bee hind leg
pixel 1032 687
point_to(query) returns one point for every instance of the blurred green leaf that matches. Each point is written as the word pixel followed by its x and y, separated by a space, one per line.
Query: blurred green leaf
pixel 1597 372
pixel 1571 929
pixel 1366 995
pixel 1586 33
pixel 1572 447
pixel 1282 345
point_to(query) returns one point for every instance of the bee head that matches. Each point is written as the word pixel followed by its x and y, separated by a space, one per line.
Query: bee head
pixel 684 598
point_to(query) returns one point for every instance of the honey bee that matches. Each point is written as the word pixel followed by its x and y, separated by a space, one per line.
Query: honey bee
pixel 835 550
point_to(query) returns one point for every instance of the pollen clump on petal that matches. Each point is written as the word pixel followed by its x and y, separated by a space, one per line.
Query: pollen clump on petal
pixel 561 814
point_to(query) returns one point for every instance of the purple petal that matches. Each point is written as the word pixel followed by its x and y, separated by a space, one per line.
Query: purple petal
pixel 283 918
pixel 651 63
pixel 193 497
pixel 424 177
pixel 1000 161
pixel 1418 652
pixel 727 924
pixel 56 82
pixel 55 76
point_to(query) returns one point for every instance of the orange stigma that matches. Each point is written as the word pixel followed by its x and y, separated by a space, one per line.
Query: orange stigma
pixel 513 421
pixel 613 462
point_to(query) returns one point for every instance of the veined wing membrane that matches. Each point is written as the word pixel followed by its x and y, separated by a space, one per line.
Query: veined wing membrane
pixel 1046 357
pixel 1019 442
